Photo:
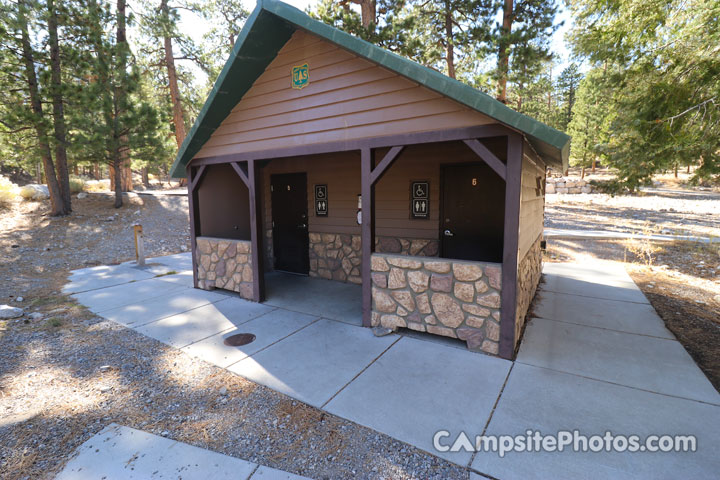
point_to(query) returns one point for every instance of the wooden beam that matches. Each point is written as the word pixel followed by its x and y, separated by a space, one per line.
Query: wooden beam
pixel 385 163
pixel 508 295
pixel 480 131
pixel 193 224
pixel 254 188
pixel 196 179
pixel 367 231
pixel 243 176
pixel 482 151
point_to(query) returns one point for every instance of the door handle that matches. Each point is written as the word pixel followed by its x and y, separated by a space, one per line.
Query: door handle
pixel 302 225
pixel 448 233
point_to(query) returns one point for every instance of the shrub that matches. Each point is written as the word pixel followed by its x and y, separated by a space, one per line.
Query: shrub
pixel 8 191
pixel 97 185
pixel 77 185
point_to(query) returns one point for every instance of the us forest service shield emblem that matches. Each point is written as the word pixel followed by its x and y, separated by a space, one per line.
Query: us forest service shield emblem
pixel 300 76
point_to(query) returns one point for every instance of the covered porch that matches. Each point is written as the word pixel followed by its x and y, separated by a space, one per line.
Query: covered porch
pixel 361 238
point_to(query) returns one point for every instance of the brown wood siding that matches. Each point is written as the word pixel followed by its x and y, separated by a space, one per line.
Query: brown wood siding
pixel 532 205
pixel 223 204
pixel 341 172
pixel 347 98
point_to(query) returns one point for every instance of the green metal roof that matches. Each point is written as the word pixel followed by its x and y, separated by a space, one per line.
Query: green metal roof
pixel 270 26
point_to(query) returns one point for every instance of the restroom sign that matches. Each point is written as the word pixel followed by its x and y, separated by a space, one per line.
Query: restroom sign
pixel 321 201
pixel 420 199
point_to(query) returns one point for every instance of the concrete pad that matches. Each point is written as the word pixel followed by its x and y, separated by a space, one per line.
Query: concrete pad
pixel 177 262
pixel 267 329
pixel 417 388
pixel 629 317
pixel 202 322
pixel 649 363
pixel 607 280
pixel 147 311
pixel 184 278
pixel 548 401
pixel 103 276
pixel 122 453
pixel 315 296
pixel 105 299
pixel 316 362
pixel 267 473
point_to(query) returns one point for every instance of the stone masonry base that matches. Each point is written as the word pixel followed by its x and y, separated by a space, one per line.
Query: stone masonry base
pixel 529 273
pixel 452 298
pixel 339 256
pixel 225 263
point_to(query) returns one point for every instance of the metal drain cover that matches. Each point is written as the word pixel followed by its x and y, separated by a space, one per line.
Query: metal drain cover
pixel 239 339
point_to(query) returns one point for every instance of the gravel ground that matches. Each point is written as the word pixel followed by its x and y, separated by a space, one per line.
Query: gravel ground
pixel 65 373
pixel 36 250
pixel 665 210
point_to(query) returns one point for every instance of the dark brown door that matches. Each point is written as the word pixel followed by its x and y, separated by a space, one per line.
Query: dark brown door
pixel 473 212
pixel 289 216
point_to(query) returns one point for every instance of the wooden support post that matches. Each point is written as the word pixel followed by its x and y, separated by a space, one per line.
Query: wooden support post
pixel 191 183
pixel 508 303
pixel 367 231
pixel 255 190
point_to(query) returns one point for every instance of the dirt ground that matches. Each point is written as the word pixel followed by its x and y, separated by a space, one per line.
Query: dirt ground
pixel 66 373
pixel 36 250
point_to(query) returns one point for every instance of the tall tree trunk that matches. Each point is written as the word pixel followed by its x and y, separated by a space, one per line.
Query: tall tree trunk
pixel 56 202
pixel 120 150
pixel 688 169
pixel 504 51
pixel 178 114
pixel 594 163
pixel 116 171
pixel 127 183
pixel 60 129
pixel 676 170
pixel 449 47
pixel 145 177
pixel 582 173
pixel 368 12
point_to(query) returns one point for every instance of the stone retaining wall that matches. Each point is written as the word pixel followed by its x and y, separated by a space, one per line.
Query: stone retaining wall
pixel 225 263
pixel 452 298
pixel 568 185
pixel 529 273
pixel 339 256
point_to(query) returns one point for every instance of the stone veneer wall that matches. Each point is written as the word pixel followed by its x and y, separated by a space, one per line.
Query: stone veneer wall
pixel 458 299
pixel 338 256
pixel 225 263
pixel 529 273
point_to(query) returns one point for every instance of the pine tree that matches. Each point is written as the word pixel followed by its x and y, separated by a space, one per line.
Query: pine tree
pixel 591 118
pixel 522 41
pixel 567 85
pixel 117 123
pixel 664 66
pixel 24 104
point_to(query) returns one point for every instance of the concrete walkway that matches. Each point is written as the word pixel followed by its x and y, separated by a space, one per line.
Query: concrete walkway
pixel 570 234
pixel 596 358
pixel 122 453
